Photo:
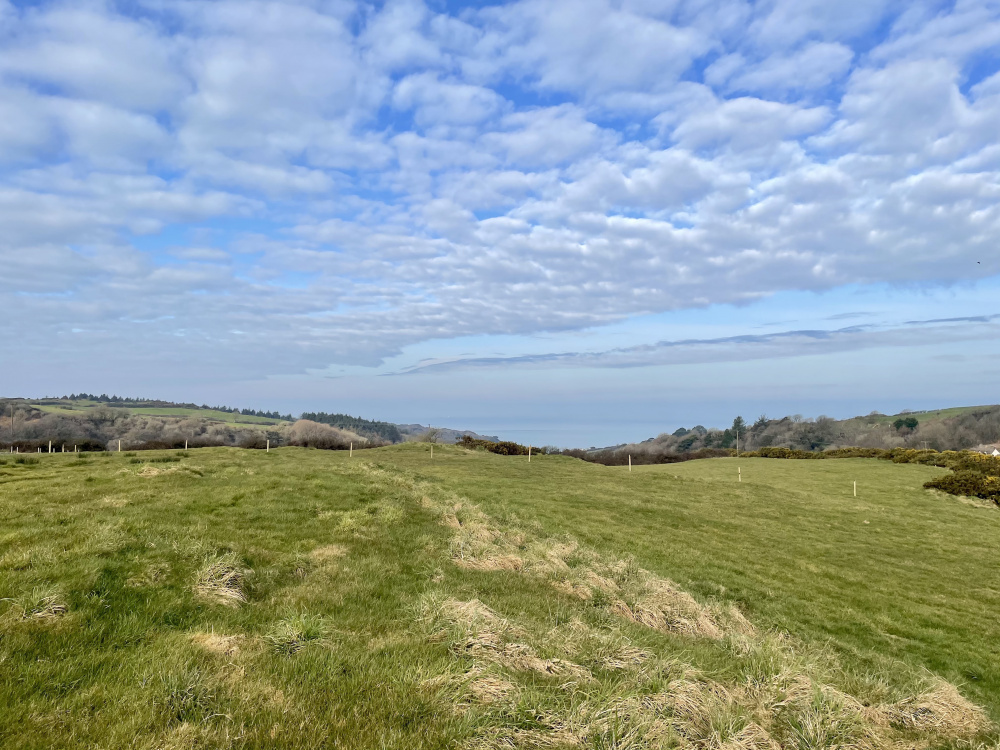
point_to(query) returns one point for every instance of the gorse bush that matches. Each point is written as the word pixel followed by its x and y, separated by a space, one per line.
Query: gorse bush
pixel 503 447
pixel 969 483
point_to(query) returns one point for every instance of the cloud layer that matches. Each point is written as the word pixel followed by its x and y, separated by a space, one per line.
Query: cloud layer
pixel 270 187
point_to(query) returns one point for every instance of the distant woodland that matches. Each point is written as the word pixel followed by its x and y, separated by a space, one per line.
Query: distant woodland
pixel 975 428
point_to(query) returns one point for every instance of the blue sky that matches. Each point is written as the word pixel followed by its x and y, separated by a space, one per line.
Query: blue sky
pixel 563 221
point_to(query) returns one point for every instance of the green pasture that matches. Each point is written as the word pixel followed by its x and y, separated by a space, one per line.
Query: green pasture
pixel 934 415
pixel 337 630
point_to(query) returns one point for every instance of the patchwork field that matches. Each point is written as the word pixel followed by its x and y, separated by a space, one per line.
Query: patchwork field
pixel 305 599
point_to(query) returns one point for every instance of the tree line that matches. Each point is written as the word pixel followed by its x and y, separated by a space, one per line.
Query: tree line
pixel 974 429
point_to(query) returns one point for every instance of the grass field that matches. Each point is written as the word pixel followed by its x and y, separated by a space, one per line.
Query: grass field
pixel 60 406
pixel 934 415
pixel 297 598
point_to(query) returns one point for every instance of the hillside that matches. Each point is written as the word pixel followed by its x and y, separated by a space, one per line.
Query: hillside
pixel 89 422
pixel 297 599
pixel 958 428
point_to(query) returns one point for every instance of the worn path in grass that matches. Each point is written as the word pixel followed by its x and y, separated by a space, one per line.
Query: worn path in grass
pixel 223 598
pixel 897 572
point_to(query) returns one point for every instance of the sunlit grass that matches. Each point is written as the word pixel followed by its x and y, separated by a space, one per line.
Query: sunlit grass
pixel 304 599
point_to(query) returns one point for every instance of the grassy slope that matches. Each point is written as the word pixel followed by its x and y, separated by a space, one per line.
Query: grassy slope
pixel 179 412
pixel 788 544
pixel 123 667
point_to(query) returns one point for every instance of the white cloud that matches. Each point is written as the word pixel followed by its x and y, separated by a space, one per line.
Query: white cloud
pixel 812 67
pixel 339 180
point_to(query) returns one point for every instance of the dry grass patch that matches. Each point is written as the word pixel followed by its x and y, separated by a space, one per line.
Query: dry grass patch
pixel 328 553
pixel 475 631
pixel 625 589
pixel 223 579
pixel 37 605
pixel 941 710
pixel 217 643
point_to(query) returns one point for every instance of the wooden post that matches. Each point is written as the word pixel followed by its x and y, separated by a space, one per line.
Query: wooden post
pixel 432 450
pixel 185 444
pixel 64 447
pixel 630 462
pixel 268 449
pixel 50 446
pixel 855 489
pixel 119 446
pixel 351 454
pixel 529 454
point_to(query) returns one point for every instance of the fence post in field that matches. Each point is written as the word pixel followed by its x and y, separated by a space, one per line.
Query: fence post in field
pixel 185 445
pixel 268 448
pixel 855 489
pixel 432 450
pixel 119 446
pixel 630 462
pixel 351 453
pixel 529 454
pixel 50 446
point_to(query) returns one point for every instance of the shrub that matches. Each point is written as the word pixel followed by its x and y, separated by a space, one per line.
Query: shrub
pixel 503 447
pixel 969 483
pixel 308 434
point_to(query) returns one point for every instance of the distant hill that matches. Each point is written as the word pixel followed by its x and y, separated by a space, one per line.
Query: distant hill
pixel 956 428
pixel 92 422
pixel 441 434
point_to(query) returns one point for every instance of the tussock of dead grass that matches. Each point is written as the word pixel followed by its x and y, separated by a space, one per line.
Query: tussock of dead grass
pixel 473 630
pixel 751 737
pixel 940 709
pixel 489 689
pixel 38 605
pixel 217 643
pixel 224 580
pixel 626 657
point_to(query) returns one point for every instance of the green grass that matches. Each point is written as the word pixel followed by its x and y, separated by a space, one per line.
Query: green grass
pixel 303 599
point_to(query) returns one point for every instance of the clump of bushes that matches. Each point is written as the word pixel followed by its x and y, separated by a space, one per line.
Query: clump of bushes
pixel 969 483
pixel 308 434
pixel 502 447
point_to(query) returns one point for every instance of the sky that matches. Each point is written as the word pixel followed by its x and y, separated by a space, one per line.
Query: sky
pixel 567 222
